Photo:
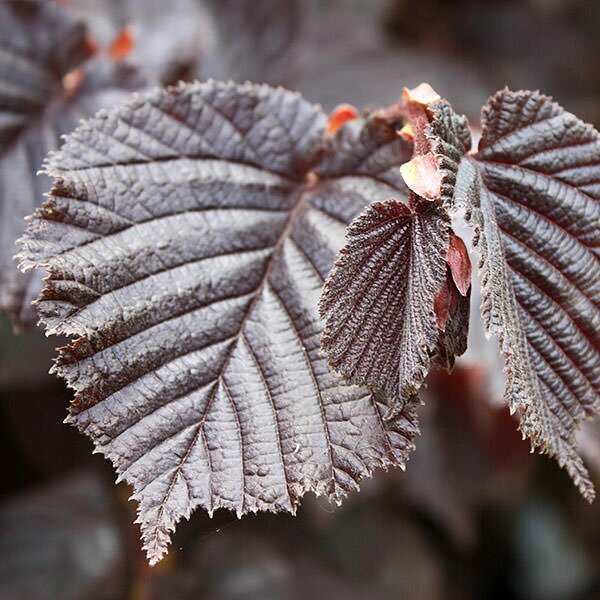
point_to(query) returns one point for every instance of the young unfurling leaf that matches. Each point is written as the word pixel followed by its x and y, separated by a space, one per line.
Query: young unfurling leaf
pixel 422 176
pixel 459 264
pixel 186 238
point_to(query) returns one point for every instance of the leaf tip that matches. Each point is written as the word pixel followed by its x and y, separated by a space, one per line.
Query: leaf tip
pixel 423 94
pixel 340 115
pixel 122 45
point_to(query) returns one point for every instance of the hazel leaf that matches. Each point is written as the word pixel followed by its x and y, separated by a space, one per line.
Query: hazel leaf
pixel 378 301
pixel 186 239
pixel 533 190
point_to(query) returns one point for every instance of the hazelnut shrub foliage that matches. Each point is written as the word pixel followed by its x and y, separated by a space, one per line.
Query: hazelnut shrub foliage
pixel 256 292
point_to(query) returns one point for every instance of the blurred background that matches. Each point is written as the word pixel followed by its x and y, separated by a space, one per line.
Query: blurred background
pixel 475 515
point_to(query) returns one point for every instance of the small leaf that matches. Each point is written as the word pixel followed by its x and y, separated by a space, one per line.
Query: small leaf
pixel 43 94
pixel 444 303
pixel 339 116
pixel 423 94
pixel 534 192
pixel 387 301
pixel 122 45
pixel 187 237
pixel 378 301
pixel 422 176
pixel 460 264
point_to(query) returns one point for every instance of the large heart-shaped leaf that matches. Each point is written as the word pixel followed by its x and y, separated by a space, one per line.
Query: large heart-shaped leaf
pixel 187 237
pixel 533 189
pixel 41 98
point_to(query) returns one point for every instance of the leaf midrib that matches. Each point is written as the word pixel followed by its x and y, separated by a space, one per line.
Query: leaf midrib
pixel 303 194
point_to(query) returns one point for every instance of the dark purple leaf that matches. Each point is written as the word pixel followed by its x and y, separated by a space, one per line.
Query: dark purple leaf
pixel 378 301
pixel 388 299
pixel 533 189
pixel 186 237
pixel 41 98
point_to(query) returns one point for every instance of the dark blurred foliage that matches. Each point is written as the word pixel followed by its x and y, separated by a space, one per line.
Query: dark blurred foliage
pixel 475 515
pixel 365 52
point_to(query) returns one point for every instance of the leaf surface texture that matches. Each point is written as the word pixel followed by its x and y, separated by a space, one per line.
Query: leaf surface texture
pixel 534 190
pixel 378 301
pixel 187 237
